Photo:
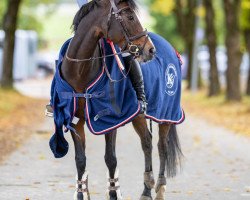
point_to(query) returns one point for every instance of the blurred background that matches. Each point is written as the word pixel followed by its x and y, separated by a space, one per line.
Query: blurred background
pixel 213 37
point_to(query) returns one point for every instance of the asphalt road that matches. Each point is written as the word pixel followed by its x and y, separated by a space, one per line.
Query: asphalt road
pixel 216 166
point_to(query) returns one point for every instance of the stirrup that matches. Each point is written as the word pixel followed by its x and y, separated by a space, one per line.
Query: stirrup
pixel 143 106
pixel 49 111
pixel 116 186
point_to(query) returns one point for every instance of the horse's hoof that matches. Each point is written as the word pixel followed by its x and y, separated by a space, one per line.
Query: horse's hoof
pixel 114 195
pixel 160 192
pixel 146 198
pixel 81 196
pixel 160 183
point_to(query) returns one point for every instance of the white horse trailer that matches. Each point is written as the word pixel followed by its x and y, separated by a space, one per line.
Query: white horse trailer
pixel 24 56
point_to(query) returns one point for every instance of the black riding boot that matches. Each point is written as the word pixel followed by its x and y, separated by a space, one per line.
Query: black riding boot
pixel 136 77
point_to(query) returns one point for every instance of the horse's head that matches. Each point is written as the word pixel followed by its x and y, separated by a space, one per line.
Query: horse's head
pixel 124 28
pixel 117 20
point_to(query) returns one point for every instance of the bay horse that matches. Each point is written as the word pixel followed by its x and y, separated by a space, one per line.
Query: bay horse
pixel 117 21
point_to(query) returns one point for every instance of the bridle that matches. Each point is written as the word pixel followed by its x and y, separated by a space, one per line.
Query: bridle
pixel 133 49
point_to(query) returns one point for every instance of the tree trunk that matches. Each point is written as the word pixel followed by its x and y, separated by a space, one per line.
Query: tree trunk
pixel 186 20
pixel 247 39
pixel 9 27
pixel 214 84
pixel 232 10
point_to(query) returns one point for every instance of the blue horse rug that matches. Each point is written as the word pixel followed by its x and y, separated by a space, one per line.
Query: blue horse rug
pixel 111 101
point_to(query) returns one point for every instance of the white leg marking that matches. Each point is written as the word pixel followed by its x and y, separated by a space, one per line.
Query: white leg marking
pixel 117 184
pixel 84 188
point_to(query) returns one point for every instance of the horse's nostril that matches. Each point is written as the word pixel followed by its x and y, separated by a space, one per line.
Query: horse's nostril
pixel 152 51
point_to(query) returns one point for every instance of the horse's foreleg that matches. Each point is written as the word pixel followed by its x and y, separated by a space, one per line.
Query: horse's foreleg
pixel 82 192
pixel 113 192
pixel 140 125
pixel 169 153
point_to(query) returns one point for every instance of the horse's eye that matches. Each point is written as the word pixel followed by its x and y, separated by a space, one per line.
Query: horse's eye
pixel 131 18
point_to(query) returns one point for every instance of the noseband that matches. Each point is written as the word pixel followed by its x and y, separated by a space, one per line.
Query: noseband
pixel 132 48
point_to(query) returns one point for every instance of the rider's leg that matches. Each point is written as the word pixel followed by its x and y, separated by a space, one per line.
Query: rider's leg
pixel 136 77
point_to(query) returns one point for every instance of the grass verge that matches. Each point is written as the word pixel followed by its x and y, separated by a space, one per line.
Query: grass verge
pixel 18 117
pixel 232 115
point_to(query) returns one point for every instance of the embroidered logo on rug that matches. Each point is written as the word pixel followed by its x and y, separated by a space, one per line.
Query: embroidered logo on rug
pixel 171 80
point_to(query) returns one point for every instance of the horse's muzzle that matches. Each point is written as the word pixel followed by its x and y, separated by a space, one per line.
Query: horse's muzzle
pixel 148 52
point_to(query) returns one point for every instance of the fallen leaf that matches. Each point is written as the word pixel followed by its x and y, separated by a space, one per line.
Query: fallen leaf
pixel 197 140
pixel 227 189
pixel 42 157
pixel 174 191
pixel 190 192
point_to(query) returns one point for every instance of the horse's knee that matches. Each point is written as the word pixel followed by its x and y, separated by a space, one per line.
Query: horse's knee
pixel 162 146
pixel 147 143
pixel 111 161
pixel 80 162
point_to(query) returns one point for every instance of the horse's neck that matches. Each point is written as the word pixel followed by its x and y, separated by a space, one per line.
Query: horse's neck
pixel 79 75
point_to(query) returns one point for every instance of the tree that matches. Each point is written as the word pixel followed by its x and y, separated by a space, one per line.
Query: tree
pixel 165 22
pixel 232 11
pixel 9 27
pixel 2 9
pixel 245 25
pixel 214 84
pixel 28 21
pixel 175 20
pixel 247 40
pixel 185 15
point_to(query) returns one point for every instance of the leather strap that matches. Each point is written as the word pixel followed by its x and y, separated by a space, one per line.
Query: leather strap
pixel 81 182
pixel 113 188
pixel 113 180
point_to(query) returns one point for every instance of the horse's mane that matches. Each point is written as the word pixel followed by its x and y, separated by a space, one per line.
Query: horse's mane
pixel 86 8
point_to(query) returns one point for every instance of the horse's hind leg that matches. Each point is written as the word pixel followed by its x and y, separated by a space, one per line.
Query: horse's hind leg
pixel 140 125
pixel 162 148
pixel 82 192
pixel 169 153
pixel 113 192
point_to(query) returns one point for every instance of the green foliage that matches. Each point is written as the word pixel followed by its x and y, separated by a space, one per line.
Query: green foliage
pixel 2 9
pixel 166 26
pixel 219 21
pixel 30 22
pixel 163 7
pixel 245 15
pixel 165 22
pixel 28 17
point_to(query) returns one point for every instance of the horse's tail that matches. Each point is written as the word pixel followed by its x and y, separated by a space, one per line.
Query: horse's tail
pixel 173 154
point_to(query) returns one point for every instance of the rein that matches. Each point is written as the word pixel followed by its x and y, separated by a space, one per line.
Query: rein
pixel 92 58
pixel 106 67
pixel 132 48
